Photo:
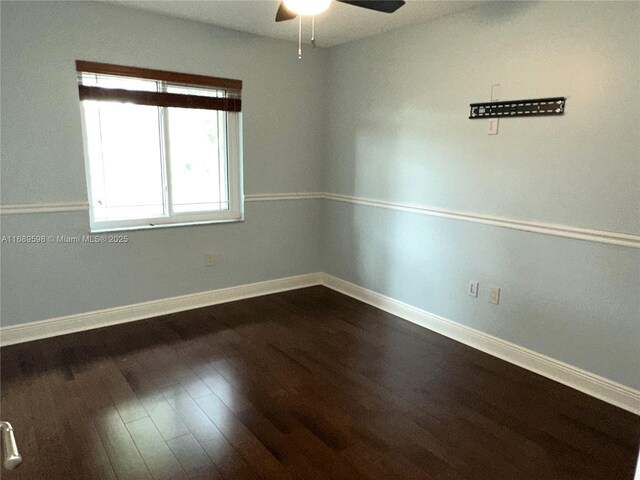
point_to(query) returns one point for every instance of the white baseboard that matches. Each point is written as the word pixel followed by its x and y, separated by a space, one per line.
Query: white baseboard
pixel 586 382
pixel 27 332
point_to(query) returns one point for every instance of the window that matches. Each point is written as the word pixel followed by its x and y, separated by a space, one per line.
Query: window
pixel 161 148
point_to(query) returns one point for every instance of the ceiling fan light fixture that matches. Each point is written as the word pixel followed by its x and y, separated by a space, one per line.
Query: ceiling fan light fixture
pixel 307 7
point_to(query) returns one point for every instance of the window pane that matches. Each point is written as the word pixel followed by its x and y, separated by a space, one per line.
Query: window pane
pixel 125 160
pixel 197 147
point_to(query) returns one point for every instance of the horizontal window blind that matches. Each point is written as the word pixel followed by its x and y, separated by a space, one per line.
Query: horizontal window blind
pixel 101 82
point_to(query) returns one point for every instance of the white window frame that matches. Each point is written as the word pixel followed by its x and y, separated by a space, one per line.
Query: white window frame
pixel 234 154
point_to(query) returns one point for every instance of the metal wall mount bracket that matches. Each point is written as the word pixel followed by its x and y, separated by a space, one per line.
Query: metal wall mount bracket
pixel 535 107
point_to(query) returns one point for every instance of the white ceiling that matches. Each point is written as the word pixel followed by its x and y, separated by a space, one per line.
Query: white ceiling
pixel 341 23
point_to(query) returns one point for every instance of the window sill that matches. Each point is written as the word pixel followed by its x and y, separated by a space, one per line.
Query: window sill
pixel 166 225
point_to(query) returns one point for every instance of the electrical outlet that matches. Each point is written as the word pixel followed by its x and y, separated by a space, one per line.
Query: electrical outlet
pixel 209 259
pixel 473 289
pixel 494 295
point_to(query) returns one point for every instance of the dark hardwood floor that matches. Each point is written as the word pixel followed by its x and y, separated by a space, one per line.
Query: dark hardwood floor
pixel 308 384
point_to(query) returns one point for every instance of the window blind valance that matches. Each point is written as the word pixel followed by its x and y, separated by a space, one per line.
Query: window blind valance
pixel 106 82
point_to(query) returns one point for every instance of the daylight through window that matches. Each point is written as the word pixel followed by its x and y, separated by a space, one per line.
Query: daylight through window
pixel 161 148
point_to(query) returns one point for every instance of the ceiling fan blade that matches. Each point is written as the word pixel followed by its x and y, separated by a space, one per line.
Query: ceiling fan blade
pixel 284 13
pixel 389 6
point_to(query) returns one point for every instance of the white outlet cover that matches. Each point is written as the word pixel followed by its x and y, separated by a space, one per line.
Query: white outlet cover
pixel 494 295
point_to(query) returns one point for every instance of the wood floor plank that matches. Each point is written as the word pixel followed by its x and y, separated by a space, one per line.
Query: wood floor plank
pixel 163 416
pixel 304 384
pixel 81 437
pixel 193 458
pixel 121 449
pixel 228 461
pixel 252 450
pixel 122 452
pixel 160 460
pixel 124 399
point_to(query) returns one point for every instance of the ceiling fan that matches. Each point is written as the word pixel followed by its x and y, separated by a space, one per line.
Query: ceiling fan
pixel 290 9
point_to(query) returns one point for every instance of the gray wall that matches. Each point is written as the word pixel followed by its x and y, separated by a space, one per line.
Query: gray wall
pixel 398 131
pixel 394 128
pixel 42 159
